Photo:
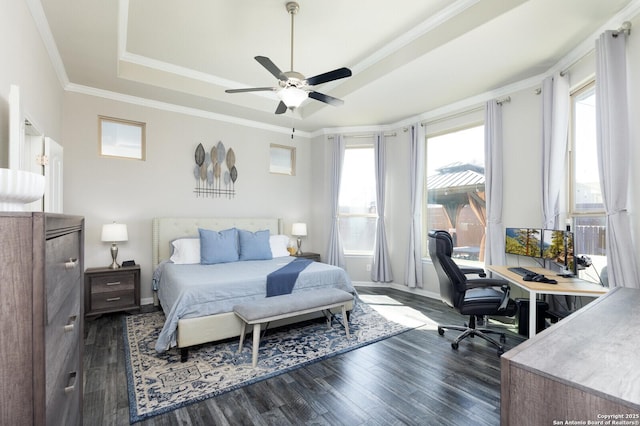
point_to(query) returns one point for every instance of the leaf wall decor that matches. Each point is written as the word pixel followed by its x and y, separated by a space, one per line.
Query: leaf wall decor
pixel 211 179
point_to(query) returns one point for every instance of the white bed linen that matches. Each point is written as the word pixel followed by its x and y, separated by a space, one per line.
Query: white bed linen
pixel 190 291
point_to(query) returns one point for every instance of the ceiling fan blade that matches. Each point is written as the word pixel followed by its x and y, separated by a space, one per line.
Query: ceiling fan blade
pixel 271 67
pixel 329 76
pixel 326 98
pixel 282 108
pixel 252 89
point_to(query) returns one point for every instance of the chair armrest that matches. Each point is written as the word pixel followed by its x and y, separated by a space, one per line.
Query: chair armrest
pixel 486 282
pixel 478 271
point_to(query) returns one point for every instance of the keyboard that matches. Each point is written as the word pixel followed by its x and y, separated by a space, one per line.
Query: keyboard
pixel 521 271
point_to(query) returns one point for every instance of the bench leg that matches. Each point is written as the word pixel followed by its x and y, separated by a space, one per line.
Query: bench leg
pixel 345 321
pixel 242 332
pixel 256 343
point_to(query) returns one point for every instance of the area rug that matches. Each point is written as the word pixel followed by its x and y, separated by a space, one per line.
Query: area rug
pixel 158 383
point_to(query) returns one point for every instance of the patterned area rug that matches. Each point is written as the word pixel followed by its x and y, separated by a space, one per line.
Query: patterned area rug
pixel 159 383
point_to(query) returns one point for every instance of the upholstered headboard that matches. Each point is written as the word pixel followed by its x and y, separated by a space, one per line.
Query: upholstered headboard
pixel 167 229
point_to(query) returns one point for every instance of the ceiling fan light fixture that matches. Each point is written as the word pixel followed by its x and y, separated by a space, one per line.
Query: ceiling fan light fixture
pixel 292 96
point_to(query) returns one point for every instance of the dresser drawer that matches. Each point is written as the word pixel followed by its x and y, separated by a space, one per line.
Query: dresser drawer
pixel 64 395
pixel 63 339
pixel 63 270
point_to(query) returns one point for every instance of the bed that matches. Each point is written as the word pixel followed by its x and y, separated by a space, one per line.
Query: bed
pixel 197 310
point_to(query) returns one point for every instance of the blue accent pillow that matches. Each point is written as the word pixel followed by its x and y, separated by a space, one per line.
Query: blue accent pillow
pixel 254 245
pixel 218 247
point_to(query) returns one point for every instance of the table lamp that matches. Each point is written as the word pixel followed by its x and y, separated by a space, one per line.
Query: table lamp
pixel 299 230
pixel 113 233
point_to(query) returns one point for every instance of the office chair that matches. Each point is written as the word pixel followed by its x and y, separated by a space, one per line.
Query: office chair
pixel 473 297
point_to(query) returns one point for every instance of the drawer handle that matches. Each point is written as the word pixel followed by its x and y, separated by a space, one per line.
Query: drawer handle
pixel 114 283
pixel 71 264
pixel 113 299
pixel 71 383
pixel 69 326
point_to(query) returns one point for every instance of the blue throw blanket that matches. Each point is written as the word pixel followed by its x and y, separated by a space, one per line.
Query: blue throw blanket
pixel 282 280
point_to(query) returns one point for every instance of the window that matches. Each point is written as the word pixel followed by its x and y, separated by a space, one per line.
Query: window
pixel 282 159
pixel 121 138
pixel 455 196
pixel 586 205
pixel 357 200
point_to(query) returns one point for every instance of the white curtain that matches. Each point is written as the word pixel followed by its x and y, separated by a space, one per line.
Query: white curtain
pixel 335 251
pixel 555 127
pixel 381 268
pixel 614 152
pixel 494 245
pixel 555 132
pixel 413 270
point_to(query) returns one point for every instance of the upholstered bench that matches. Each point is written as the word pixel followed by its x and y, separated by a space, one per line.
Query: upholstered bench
pixel 275 308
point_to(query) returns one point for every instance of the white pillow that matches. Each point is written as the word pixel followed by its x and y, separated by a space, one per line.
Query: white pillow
pixel 278 244
pixel 185 250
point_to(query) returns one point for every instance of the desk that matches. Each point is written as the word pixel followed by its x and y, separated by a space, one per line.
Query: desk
pixel 581 369
pixel 565 286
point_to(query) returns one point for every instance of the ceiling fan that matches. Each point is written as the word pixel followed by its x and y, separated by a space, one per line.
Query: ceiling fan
pixel 293 88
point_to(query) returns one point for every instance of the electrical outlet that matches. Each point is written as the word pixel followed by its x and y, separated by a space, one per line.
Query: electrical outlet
pixel 368 267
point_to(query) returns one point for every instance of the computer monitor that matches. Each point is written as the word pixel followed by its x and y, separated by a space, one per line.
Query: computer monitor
pixel 524 242
pixel 558 247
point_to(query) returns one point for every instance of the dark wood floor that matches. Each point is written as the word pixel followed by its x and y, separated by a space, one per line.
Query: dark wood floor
pixel 414 378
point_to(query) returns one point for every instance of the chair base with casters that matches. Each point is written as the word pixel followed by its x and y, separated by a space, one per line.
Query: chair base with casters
pixel 470 330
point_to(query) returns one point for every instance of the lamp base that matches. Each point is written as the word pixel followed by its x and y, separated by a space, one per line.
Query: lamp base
pixel 114 255
pixel 299 252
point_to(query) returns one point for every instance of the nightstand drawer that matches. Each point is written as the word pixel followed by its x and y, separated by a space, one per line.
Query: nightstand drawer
pixel 113 282
pixel 112 300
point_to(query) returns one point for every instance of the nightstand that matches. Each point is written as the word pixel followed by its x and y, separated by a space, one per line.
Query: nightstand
pixel 111 290
pixel 308 255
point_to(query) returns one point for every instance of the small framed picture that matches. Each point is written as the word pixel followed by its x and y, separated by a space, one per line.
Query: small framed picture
pixel 121 138
pixel 282 159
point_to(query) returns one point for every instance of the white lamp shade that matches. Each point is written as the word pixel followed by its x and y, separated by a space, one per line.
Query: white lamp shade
pixel 292 96
pixel 299 229
pixel 114 232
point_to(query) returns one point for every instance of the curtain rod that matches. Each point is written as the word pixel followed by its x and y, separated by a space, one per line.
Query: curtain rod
pixel 625 28
pixel 500 101
pixel 364 136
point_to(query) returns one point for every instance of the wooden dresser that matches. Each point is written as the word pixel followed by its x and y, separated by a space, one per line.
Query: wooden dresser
pixel 582 370
pixel 41 318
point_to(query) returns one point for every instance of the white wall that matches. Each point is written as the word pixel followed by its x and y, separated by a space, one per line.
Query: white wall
pixel 133 192
pixel 26 63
